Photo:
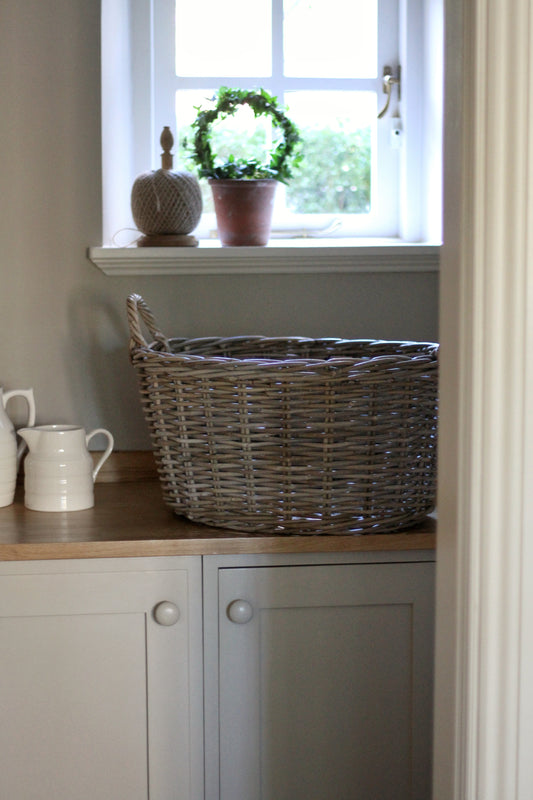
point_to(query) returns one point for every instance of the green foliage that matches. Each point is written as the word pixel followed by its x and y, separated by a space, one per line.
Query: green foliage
pixel 335 174
pixel 283 155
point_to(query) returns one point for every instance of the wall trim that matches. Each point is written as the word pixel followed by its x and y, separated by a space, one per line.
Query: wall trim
pixel 484 661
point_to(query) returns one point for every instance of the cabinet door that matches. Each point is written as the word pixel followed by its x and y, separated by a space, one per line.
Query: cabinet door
pixel 325 682
pixel 94 692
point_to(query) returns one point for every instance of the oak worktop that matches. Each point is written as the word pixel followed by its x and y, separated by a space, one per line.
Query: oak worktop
pixel 130 519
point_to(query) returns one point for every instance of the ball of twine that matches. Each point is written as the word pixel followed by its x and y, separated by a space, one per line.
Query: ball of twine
pixel 165 202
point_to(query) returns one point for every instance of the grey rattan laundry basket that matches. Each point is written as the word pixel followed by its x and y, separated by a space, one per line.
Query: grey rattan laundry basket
pixel 290 435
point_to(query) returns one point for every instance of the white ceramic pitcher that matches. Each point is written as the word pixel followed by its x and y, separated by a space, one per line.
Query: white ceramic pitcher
pixel 59 473
pixel 10 454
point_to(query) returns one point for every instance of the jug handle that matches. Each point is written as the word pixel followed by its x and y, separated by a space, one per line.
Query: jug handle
pixel 28 396
pixel 107 452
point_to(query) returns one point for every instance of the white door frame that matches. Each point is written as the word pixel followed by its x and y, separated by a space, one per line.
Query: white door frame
pixel 484 700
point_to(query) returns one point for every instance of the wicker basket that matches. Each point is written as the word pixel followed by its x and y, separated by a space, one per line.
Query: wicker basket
pixel 290 435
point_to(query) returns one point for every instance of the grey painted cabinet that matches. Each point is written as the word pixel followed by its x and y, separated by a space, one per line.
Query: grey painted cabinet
pixel 229 677
pixel 318 680
pixel 98 699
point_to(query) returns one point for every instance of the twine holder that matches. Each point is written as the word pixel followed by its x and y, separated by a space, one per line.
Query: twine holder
pixel 166 205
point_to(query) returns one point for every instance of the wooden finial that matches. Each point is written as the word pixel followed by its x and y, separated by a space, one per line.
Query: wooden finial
pixel 167 141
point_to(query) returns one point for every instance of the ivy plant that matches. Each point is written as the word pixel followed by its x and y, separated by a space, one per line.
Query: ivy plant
pixel 283 157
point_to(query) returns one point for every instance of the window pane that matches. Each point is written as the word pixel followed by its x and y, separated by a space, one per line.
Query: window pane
pixel 338 130
pixel 330 38
pixel 230 38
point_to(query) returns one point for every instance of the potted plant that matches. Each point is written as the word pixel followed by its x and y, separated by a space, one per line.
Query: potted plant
pixel 243 189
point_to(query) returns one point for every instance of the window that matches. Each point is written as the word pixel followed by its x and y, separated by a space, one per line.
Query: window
pixel 360 177
pixel 329 77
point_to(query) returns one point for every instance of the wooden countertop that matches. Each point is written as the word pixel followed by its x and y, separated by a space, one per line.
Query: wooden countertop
pixel 129 519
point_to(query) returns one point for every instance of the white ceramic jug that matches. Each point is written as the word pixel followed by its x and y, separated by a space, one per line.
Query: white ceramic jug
pixel 10 454
pixel 59 473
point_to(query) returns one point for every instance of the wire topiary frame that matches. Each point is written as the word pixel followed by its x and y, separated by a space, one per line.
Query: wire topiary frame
pixel 283 156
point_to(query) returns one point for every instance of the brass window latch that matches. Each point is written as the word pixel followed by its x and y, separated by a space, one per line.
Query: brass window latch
pixel 388 82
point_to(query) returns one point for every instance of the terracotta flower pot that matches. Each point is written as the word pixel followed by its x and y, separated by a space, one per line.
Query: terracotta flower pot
pixel 244 210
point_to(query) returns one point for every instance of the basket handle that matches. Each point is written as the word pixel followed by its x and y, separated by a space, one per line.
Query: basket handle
pixel 138 310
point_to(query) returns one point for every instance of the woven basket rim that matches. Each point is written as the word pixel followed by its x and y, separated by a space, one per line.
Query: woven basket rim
pixel 183 350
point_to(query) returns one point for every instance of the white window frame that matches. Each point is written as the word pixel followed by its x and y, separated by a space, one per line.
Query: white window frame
pixel 383 218
pixel 129 125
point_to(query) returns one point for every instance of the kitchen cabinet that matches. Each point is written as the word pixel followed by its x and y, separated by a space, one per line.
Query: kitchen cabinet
pixel 284 676
pixel 318 677
pixel 100 695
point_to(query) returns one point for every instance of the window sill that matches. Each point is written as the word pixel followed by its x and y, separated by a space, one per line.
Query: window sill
pixel 280 256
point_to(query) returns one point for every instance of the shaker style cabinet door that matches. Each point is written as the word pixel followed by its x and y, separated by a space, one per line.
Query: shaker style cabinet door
pixel 96 665
pixel 324 683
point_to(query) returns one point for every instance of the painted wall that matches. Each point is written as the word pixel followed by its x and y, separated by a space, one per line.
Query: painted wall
pixel 62 322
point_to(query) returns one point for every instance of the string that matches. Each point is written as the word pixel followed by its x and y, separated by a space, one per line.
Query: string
pixel 123 230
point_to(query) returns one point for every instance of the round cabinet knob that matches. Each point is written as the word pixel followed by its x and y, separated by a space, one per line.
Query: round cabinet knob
pixel 240 611
pixel 166 613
